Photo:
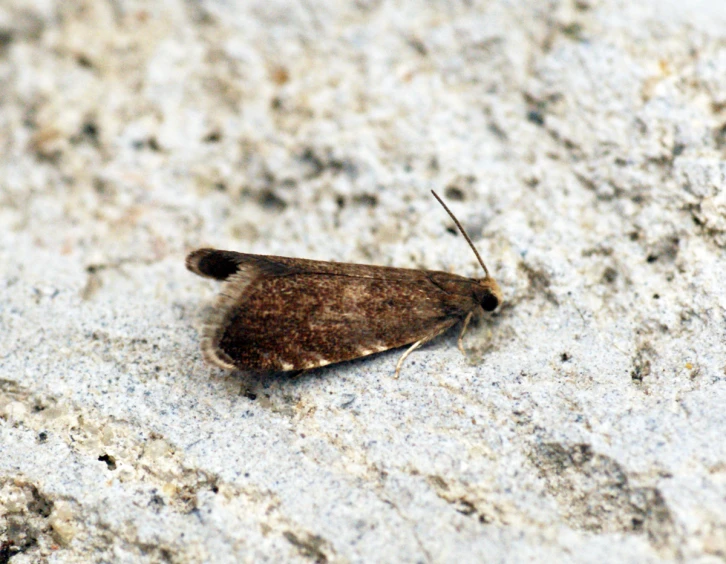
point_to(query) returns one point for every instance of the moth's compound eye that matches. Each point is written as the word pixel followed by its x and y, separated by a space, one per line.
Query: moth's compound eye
pixel 489 301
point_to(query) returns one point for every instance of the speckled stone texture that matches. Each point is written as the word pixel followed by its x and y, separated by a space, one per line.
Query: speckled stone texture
pixel 581 143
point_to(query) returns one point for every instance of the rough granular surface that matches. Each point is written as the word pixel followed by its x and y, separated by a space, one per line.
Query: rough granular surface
pixel 581 144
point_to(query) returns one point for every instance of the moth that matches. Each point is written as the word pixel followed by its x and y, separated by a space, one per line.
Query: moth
pixel 277 314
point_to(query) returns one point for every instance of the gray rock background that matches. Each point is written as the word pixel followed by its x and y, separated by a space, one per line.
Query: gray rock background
pixel 582 144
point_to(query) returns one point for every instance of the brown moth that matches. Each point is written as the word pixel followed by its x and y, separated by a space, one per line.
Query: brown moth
pixel 280 314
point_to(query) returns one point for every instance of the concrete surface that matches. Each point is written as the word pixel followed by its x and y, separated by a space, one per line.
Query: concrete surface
pixel 582 144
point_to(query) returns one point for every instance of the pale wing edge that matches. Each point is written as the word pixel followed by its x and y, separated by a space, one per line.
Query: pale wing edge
pixel 367 349
pixel 220 313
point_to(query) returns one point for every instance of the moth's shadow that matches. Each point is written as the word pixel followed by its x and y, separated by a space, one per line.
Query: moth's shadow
pixel 284 392
pixel 382 365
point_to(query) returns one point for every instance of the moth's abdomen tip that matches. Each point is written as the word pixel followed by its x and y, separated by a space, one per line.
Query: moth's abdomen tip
pixel 212 263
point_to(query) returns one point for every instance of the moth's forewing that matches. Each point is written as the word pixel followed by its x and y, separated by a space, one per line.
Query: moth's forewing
pixel 278 313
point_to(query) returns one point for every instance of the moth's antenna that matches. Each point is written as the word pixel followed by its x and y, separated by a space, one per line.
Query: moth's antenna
pixel 473 248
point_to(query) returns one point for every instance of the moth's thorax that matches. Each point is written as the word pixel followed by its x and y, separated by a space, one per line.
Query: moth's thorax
pixel 484 292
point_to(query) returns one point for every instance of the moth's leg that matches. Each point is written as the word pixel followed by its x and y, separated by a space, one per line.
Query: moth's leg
pixel 410 349
pixel 463 330
pixel 416 345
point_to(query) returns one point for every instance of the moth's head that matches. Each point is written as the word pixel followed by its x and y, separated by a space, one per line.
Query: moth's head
pixel 488 294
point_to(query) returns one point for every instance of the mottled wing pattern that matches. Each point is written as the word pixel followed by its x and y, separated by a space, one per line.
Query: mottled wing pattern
pixel 277 313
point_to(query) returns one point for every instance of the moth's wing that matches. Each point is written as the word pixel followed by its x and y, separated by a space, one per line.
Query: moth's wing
pixel 303 321
pixel 220 265
pixel 275 315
